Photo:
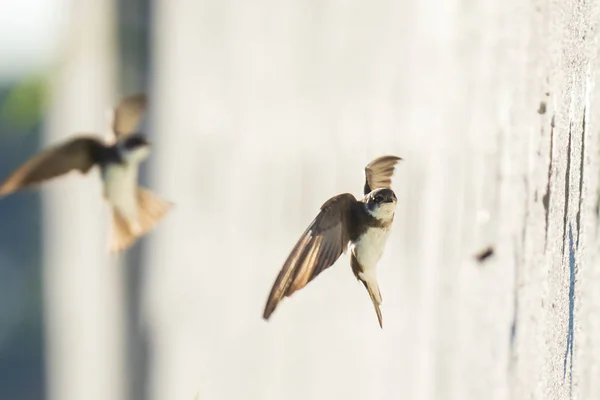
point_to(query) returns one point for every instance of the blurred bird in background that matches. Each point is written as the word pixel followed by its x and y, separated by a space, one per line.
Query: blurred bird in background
pixel 135 210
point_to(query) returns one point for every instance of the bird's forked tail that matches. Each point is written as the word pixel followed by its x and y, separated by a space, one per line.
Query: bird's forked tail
pixel 151 209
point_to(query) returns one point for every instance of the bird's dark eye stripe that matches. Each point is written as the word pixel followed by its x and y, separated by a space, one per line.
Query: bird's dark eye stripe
pixel 135 141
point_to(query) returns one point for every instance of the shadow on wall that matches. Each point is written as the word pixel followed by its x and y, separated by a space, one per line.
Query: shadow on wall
pixel 569 350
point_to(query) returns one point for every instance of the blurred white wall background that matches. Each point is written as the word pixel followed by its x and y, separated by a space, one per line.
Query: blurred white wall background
pixel 83 285
pixel 37 26
pixel 263 111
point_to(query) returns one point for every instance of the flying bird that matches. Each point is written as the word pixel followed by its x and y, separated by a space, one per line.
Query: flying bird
pixel 135 210
pixel 344 222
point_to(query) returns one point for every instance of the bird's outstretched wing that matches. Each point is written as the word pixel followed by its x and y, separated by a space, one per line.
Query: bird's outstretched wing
pixel 75 154
pixel 128 114
pixel 378 173
pixel 317 249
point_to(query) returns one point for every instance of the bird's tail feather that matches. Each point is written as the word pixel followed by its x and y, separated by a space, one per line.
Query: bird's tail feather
pixel 375 294
pixel 121 236
pixel 151 209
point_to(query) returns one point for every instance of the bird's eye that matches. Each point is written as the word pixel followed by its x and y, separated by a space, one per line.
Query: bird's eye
pixel 378 199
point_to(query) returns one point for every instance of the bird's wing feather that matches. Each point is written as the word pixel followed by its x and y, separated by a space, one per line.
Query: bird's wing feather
pixel 378 173
pixel 128 114
pixel 317 249
pixel 74 154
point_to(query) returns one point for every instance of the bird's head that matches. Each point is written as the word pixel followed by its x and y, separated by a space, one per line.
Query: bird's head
pixel 135 148
pixel 381 203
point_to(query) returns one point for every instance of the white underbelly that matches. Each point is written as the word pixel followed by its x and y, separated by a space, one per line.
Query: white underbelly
pixel 369 248
pixel 120 183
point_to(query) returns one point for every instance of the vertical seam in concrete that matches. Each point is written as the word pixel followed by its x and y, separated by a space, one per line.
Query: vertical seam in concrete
pixel 567 195
pixel 513 325
pixel 546 197
pixel 581 169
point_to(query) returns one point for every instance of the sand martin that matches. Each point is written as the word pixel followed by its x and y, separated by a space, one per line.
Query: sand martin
pixel 135 210
pixel 344 222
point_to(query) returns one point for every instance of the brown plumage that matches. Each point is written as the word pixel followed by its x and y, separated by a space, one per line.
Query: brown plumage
pixel 373 291
pixel 378 173
pixel 128 114
pixel 151 209
pixel 317 249
pixel 341 220
pixel 78 154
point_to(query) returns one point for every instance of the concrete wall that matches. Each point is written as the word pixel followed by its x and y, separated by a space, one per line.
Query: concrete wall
pixel 262 111
pixel 83 287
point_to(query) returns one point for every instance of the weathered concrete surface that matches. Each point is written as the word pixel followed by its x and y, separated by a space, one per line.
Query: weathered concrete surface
pixel 264 110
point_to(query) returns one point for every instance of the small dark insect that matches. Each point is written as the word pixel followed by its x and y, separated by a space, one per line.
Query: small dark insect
pixel 542 108
pixel 484 254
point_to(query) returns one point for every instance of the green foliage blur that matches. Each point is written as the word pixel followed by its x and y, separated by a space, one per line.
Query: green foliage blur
pixel 22 105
